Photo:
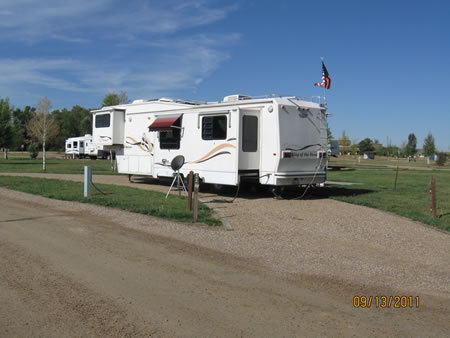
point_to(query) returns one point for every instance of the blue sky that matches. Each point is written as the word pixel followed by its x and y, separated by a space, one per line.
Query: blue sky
pixel 388 60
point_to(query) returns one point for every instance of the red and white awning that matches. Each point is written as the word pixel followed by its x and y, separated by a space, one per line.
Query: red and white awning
pixel 165 123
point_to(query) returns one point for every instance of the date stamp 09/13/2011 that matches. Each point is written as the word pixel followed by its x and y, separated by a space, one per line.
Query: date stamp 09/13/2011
pixel 386 302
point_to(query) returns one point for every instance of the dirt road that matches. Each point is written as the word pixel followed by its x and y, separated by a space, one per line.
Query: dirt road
pixel 70 269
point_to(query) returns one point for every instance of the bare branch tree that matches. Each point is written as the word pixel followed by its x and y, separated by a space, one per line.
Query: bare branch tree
pixel 43 127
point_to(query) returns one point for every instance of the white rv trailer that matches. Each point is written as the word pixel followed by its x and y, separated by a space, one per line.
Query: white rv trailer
pixel 81 147
pixel 278 141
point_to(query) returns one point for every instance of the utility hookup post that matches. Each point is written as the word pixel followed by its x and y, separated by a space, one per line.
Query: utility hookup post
pixel 87 180
pixel 196 188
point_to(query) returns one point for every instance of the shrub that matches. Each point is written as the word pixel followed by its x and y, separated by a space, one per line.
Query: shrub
pixel 442 158
pixel 33 149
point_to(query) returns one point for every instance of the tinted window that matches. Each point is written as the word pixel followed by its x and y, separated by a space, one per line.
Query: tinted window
pixel 75 144
pixel 69 145
pixel 250 133
pixel 171 139
pixel 214 127
pixel 102 121
pixel 81 144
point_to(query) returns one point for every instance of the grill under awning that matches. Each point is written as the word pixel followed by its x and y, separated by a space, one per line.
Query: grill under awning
pixel 165 123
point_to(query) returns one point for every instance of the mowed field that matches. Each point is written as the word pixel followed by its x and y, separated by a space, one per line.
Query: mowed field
pixel 404 191
pixel 55 164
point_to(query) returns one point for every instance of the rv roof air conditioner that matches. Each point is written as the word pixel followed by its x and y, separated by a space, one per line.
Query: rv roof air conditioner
pixel 236 97
pixel 162 99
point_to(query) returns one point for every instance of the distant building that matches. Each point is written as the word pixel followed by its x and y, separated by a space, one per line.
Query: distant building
pixel 369 155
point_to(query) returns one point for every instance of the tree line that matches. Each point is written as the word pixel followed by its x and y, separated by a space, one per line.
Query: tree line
pixel 31 127
pixel 367 145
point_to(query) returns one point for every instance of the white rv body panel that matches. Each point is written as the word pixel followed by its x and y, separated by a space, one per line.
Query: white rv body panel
pixel 277 141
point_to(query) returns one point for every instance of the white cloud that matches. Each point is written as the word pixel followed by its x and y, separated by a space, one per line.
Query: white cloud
pixel 143 47
pixel 181 63
pixel 83 20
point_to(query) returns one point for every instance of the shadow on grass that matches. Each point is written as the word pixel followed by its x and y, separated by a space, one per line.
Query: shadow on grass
pixel 253 193
pixel 340 168
pixel 327 192
pixel 12 163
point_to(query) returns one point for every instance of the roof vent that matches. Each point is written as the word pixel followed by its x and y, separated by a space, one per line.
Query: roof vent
pixel 165 99
pixel 236 97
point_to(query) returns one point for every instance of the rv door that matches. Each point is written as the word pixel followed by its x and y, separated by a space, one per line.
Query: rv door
pixel 249 140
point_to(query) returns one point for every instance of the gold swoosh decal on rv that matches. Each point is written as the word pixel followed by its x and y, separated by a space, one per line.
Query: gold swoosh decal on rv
pixel 139 144
pixel 150 145
pixel 219 147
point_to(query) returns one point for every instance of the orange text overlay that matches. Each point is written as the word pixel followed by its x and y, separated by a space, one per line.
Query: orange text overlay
pixel 386 302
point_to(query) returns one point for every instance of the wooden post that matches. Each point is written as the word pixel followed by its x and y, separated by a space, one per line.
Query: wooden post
pixel 396 176
pixel 433 197
pixel 190 184
pixel 196 187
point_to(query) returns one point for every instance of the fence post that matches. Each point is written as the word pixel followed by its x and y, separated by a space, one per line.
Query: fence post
pixel 196 187
pixel 190 183
pixel 87 180
pixel 433 197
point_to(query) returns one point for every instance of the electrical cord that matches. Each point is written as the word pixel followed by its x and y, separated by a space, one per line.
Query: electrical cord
pixel 309 185
pixel 237 192
pixel 96 188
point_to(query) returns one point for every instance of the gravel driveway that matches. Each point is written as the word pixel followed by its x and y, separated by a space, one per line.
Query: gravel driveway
pixel 335 243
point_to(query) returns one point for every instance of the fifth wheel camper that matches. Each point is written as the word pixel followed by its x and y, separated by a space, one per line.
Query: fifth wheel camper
pixel 276 141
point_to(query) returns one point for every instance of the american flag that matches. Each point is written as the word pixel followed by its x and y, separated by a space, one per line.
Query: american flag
pixel 326 79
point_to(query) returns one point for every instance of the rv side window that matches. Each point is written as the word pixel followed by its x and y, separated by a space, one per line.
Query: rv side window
pixel 102 121
pixel 214 127
pixel 81 144
pixel 69 146
pixel 171 139
pixel 75 144
pixel 249 133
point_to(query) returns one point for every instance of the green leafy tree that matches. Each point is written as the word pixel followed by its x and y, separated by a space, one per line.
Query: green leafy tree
pixel 6 130
pixel 381 151
pixel 392 150
pixel 429 147
pixel 442 159
pixel 20 120
pixel 377 145
pixel 329 134
pixel 33 149
pixel 411 146
pixel 354 148
pixel 113 99
pixel 344 143
pixel 43 127
pixel 74 122
pixel 365 146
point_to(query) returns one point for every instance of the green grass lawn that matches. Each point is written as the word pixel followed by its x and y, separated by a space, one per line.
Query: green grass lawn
pixel 411 197
pixel 54 166
pixel 125 198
